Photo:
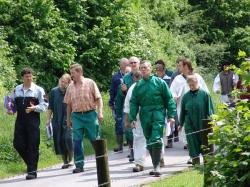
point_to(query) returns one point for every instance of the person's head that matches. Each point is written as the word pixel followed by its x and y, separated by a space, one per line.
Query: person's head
pixel 192 81
pixel 64 81
pixel 185 66
pixel 160 68
pixel 127 70
pixel 134 63
pixel 123 64
pixel 137 76
pixel 224 65
pixel 76 72
pixel 27 75
pixel 145 69
pixel 177 62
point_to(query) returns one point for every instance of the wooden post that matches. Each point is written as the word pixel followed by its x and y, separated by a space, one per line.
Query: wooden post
pixel 208 148
pixel 102 163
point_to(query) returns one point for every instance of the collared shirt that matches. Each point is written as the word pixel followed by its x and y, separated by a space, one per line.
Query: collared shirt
pixel 34 91
pixel 84 97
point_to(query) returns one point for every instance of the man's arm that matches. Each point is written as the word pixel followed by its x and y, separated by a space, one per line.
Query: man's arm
pixel 100 109
pixel 112 93
pixel 69 110
pixel 217 85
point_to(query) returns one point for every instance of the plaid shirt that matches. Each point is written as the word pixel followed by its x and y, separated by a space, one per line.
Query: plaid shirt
pixel 83 98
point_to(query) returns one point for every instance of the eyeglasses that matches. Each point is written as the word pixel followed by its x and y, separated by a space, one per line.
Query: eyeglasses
pixel 133 62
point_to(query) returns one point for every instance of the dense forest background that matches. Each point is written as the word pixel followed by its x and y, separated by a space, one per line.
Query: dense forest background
pixel 49 35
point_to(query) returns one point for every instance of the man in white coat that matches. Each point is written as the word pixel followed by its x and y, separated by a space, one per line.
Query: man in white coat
pixel 139 143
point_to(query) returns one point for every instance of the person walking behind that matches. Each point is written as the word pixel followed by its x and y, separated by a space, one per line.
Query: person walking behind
pixel 116 81
pixel 152 96
pixel 62 135
pixel 179 85
pixel 225 82
pixel 161 73
pixel 29 100
pixel 82 98
pixel 139 141
pixel 120 97
pixel 196 105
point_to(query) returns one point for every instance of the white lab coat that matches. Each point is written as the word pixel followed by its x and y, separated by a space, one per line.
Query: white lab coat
pixel 139 142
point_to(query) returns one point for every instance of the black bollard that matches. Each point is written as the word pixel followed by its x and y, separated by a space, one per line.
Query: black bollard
pixel 208 148
pixel 102 163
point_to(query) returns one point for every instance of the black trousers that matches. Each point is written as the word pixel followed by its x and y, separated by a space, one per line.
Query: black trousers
pixel 27 139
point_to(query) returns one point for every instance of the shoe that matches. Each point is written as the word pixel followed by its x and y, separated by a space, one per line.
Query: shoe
pixel 128 156
pixel 162 163
pixel 152 173
pixel 138 168
pixel 118 150
pixel 125 144
pixel 31 176
pixel 185 146
pixel 176 139
pixel 189 161
pixel 65 166
pixel 131 159
pixel 78 170
pixel 157 174
pixel 169 146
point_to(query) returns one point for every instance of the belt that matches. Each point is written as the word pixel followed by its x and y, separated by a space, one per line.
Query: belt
pixel 84 112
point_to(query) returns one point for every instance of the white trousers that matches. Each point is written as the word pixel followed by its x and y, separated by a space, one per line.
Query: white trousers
pixel 139 144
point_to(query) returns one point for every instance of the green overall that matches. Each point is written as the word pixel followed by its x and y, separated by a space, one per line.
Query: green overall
pixel 196 105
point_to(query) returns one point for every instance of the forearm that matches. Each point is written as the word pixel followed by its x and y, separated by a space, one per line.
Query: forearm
pixel 69 110
pixel 100 106
pixel 49 114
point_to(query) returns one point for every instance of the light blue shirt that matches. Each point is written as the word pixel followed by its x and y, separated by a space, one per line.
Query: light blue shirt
pixel 33 91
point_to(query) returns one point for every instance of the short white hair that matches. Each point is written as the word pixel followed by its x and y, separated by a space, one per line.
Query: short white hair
pixel 123 60
pixel 147 62
pixel 134 59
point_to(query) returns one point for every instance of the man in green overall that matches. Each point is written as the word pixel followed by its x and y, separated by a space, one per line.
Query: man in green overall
pixel 153 97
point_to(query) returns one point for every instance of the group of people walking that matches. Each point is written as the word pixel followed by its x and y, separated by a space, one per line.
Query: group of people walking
pixel 143 104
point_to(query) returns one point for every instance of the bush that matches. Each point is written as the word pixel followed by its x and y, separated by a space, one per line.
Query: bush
pixel 7 73
pixel 230 165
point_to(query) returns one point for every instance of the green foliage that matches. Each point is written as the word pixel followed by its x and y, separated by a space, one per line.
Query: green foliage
pixel 7 73
pixel 230 165
pixel 39 37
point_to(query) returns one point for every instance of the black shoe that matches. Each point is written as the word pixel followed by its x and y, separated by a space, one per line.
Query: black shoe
pixel 118 150
pixel 131 159
pixel 157 174
pixel 65 166
pixel 31 176
pixel 169 146
pixel 176 139
pixel 189 161
pixel 152 173
pixel 78 170
pixel 185 146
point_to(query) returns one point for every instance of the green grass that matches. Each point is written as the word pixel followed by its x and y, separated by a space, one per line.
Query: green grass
pixel 187 178
pixel 10 162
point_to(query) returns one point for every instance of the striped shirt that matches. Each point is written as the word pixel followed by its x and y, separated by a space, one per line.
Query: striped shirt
pixel 82 98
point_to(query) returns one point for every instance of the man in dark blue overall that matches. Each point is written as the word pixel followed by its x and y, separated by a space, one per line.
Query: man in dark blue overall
pixel 29 102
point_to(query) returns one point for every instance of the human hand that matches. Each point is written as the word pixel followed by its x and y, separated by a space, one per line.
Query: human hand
pixel 124 87
pixel 69 123
pixel 179 128
pixel 171 121
pixel 31 108
pixel 100 118
pixel 133 124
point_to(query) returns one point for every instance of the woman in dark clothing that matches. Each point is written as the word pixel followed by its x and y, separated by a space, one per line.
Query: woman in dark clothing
pixel 62 135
